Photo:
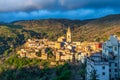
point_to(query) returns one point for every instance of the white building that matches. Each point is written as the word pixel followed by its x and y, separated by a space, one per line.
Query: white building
pixel 111 50
pixel 99 65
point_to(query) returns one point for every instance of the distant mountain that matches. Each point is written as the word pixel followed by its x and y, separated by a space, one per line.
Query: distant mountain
pixel 100 28
pixel 54 23
pixel 17 33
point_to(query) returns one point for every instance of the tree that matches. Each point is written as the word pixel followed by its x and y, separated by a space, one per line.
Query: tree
pixel 94 75
pixel 38 53
pixel 82 71
pixel 49 52
pixel 63 72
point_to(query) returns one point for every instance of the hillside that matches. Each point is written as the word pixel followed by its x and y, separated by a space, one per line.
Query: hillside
pixel 53 28
pixel 87 30
pixel 100 29
pixel 12 36
pixel 15 34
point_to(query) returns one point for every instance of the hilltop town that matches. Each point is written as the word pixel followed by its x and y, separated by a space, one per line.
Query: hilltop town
pixel 100 58
pixel 64 49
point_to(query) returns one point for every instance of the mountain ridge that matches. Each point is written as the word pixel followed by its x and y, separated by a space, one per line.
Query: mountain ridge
pixel 86 30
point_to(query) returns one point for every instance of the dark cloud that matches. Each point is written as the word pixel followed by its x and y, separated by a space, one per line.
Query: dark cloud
pixel 29 5
pixel 11 10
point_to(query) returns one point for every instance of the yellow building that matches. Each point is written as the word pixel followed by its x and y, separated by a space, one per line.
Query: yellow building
pixel 58 45
pixel 61 39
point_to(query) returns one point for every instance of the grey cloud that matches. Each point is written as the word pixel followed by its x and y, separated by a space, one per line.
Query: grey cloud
pixel 12 10
pixel 29 5
pixel 25 5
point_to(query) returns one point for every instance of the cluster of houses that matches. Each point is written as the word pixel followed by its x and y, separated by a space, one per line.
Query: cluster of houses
pixel 61 50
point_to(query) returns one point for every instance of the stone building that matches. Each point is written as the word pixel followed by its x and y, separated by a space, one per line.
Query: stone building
pixel 69 35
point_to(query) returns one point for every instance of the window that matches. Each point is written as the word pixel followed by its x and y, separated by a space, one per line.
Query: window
pixel 109 70
pixel 112 79
pixel 115 75
pixel 105 50
pixel 103 67
pixel 115 64
pixel 103 73
pixel 115 70
pixel 110 75
pixel 110 64
pixel 115 48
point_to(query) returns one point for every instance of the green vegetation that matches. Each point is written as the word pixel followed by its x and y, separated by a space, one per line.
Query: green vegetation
pixel 94 75
pixel 15 68
pixel 8 51
pixel 12 36
pixel 49 52
pixel 82 71
pixel 39 53
pixel 63 72
pixel 31 73
pixel 65 75
pixel 18 62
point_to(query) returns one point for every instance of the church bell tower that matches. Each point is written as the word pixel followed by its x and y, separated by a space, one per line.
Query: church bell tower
pixel 68 35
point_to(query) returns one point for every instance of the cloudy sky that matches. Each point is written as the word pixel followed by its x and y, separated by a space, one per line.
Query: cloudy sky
pixel 12 10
